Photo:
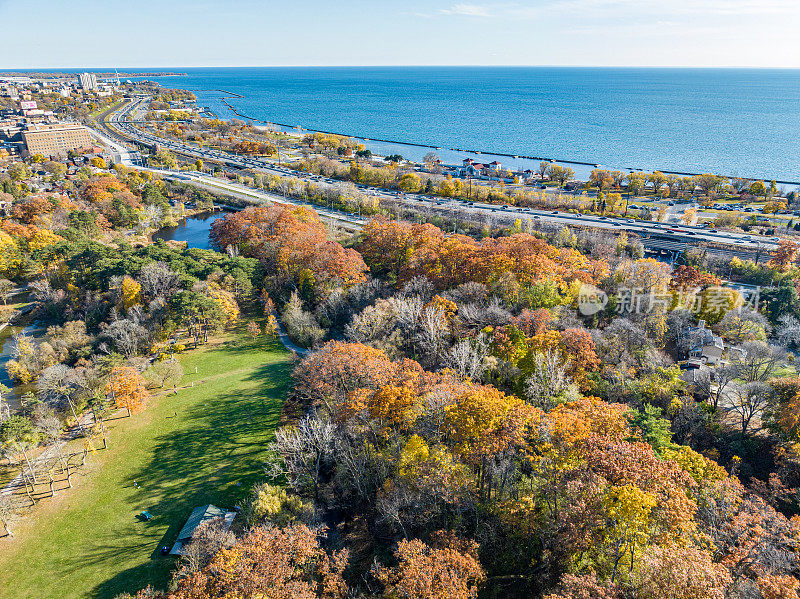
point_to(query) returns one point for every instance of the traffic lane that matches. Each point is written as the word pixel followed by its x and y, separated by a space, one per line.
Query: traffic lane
pixel 597 222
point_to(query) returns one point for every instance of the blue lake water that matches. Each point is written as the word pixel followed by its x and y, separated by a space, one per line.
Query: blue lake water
pixel 743 122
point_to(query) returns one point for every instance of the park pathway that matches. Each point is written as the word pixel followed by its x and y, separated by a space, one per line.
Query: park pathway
pixel 287 343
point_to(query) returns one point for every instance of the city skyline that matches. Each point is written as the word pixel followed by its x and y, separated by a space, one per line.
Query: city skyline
pixel 707 33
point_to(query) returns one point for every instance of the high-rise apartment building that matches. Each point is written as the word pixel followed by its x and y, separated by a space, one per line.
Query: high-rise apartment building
pixel 88 81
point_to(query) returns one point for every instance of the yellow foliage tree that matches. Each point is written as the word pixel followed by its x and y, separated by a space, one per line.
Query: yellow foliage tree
pixel 271 327
pixel 9 255
pixel 226 301
pixel 131 293
pixel 42 239
pixel 127 388
pixel 627 525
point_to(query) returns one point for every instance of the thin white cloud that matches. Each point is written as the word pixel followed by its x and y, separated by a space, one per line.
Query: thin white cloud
pixel 467 10
pixel 665 7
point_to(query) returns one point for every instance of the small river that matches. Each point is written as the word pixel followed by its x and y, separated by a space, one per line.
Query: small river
pixel 193 230
pixel 7 340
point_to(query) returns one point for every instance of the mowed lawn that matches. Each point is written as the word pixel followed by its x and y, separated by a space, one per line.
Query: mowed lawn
pixel 87 541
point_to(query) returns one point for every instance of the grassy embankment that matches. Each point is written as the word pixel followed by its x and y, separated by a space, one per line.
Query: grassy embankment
pixel 87 541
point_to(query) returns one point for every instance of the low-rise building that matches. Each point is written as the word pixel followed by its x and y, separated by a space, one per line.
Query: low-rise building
pixel 56 139
pixel 704 344
pixel 470 168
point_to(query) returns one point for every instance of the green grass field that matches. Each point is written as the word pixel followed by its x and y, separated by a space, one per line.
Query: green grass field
pixel 87 541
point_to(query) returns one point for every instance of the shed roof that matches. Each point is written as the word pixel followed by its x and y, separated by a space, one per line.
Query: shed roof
pixel 200 514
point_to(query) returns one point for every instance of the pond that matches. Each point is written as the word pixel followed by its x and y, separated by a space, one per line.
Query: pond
pixel 193 230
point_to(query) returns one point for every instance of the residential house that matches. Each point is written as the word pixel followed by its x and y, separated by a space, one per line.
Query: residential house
pixel 477 170
pixel 704 344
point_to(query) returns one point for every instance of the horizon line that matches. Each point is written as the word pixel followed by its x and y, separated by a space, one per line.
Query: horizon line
pixel 401 66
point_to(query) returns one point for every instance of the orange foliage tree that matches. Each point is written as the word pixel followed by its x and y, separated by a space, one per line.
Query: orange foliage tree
pixel 127 388
pixel 401 251
pixel 286 563
pixel 784 254
pixel 292 241
pixel 687 277
pixel 332 374
pixel 451 570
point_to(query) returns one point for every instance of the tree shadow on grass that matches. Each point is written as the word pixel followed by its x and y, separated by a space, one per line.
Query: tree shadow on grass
pixel 218 444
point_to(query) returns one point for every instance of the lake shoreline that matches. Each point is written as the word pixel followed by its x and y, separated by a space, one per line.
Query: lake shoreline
pixel 671 120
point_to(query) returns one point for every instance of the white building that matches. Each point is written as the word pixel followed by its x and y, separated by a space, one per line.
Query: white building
pixel 88 81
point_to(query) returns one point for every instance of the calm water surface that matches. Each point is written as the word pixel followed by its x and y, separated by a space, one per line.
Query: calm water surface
pixel 194 230
pixel 743 122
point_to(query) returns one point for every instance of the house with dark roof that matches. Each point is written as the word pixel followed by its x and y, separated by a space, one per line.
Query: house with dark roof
pixel 704 347
pixel 200 514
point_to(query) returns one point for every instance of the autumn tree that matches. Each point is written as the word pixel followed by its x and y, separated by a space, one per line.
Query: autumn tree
pixel 450 570
pixel 127 388
pixel 627 531
pixel 330 375
pixel 601 179
pixel 686 277
pixel 657 179
pixel 679 572
pixel 636 182
pixel 784 255
pixel 271 327
pixel 275 562
pixel 131 293
pixel 708 183
pixel 253 329
pixel 292 241
pixel 559 173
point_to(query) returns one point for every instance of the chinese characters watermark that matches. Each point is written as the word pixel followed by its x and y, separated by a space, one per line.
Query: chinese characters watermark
pixel 627 300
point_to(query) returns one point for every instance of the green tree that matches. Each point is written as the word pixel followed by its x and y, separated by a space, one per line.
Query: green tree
pixel 197 312
pixel 164 159
pixel 19 171
pixel 651 427
pixel 19 435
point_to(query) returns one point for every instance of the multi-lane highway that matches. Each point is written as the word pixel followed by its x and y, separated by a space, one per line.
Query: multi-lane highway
pixel 669 237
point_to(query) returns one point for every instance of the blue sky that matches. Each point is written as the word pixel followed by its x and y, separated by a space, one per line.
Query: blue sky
pixel 173 33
